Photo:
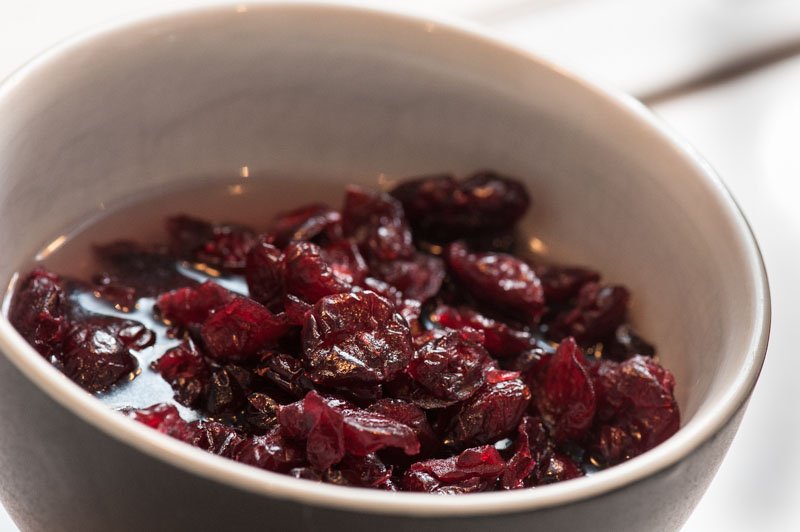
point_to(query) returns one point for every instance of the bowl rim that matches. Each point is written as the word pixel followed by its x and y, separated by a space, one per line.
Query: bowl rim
pixel 161 447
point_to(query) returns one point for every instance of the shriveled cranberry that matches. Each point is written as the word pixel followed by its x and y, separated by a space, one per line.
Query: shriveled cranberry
pixel 501 340
pixel 625 344
pixel 96 351
pixel 284 371
pixel 38 311
pixel 412 416
pixel 308 275
pixel 211 436
pixel 264 272
pixel 377 224
pixel 260 413
pixel 226 390
pixel 162 417
pixel 562 283
pixel 222 246
pixel 410 309
pixel 355 339
pixel 184 368
pixel 240 329
pixel 361 471
pixel 636 408
pixel 273 452
pixel 192 305
pixel 598 312
pixel 566 399
pixel 490 414
pixel 501 281
pixel 122 297
pixel 367 431
pixel 296 310
pixel 451 368
pixel 475 469
pixel 305 223
pixel 443 209
pixel 149 272
pixel 419 277
pixel 345 261
pixel 317 423
pixel 524 460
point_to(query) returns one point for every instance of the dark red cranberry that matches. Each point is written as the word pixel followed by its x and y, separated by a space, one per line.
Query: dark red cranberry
pixel 260 413
pixel 524 460
pixel 355 339
pixel 306 223
pixel 345 261
pixel 162 417
pixel 237 331
pixel 419 277
pixel 192 305
pixel 412 416
pixel 211 436
pixel 598 312
pixel 636 408
pixel 377 224
pixel 320 425
pixel 285 372
pixel 122 297
pixel 38 311
pixel 450 368
pixel 443 209
pixel 473 470
pixel 273 452
pixel 501 340
pixel 265 274
pixel 562 283
pixel 226 390
pixel 309 277
pixel 149 272
pixel 184 368
pixel 361 471
pixel 566 399
pixel 491 414
pixel 504 282
pixel 367 431
pixel 223 246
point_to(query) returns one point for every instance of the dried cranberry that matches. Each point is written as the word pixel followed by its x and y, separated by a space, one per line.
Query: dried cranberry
pixel 361 471
pixel 501 340
pixel 419 277
pixel 566 399
pixel 38 311
pixel 450 368
pixel 355 339
pixel 412 416
pixel 377 224
pixel 636 408
pixel 308 276
pixel 260 413
pixel 367 431
pixel 273 452
pixel 185 370
pixel 501 281
pixel 490 414
pixel 226 390
pixel 562 283
pixel 264 272
pixel 442 209
pixel 597 313
pixel 345 261
pixel 305 223
pixel 284 371
pixel 122 297
pixel 238 330
pixel 473 470
pixel 149 272
pixel 162 417
pixel 211 436
pixel 192 305
pixel 625 344
pixel 222 246
pixel 317 423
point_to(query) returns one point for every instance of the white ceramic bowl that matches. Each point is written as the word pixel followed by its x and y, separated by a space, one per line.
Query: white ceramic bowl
pixel 347 94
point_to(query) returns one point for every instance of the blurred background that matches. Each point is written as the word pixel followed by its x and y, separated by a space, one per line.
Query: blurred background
pixel 725 75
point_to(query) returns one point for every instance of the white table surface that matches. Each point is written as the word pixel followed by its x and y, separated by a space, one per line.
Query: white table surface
pixel 748 128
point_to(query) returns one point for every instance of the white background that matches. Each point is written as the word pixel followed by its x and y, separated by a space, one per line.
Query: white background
pixel 726 75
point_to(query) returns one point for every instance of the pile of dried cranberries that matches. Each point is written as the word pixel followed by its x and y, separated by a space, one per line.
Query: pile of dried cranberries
pixel 396 343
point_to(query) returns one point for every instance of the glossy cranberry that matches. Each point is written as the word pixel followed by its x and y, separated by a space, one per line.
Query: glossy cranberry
pixel 211 436
pixel 562 283
pixel 491 414
pixel 355 339
pixel 265 274
pixel 450 368
pixel 184 368
pixel 377 224
pixel 566 399
pixel 412 416
pixel 317 423
pixel 367 431
pixel 192 305
pixel 475 469
pixel 309 276
pixel 304 224
pixel 273 452
pixel 598 312
pixel 38 311
pixel 346 261
pixel 223 246
pixel 260 413
pixel 237 331
pixel 285 372
pixel 503 282
pixel 419 277
pixel 361 471
pixel 162 417
pixel 122 297
pixel 226 391
pixel 501 340
pixel 443 209
pixel 149 272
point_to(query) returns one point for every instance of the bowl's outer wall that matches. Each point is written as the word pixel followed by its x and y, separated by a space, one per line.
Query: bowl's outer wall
pixel 61 473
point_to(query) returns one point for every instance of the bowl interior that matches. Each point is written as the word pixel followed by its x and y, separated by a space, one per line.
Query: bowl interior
pixel 369 99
